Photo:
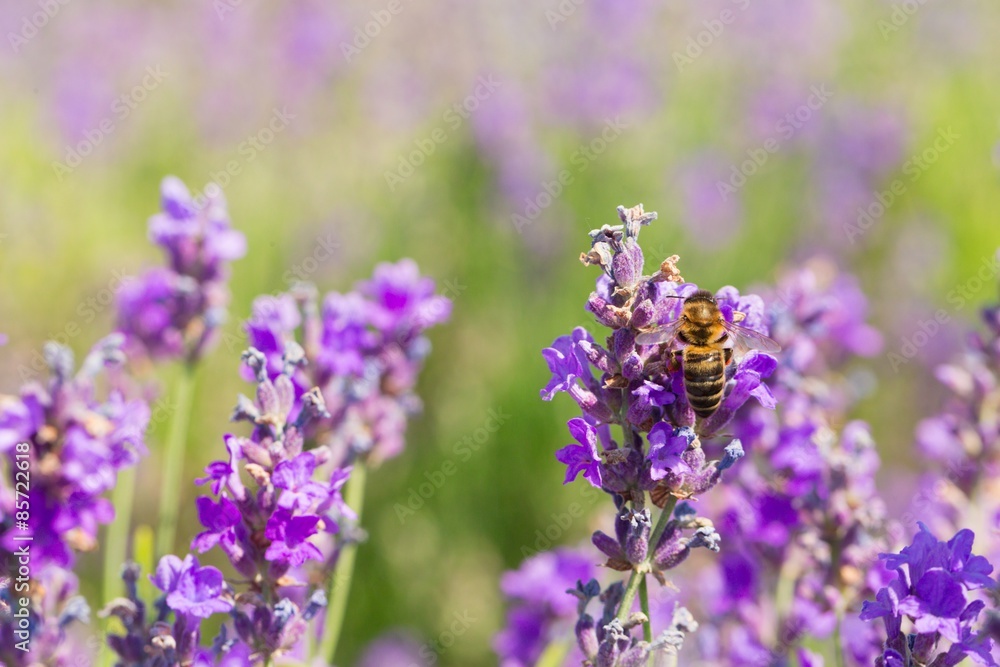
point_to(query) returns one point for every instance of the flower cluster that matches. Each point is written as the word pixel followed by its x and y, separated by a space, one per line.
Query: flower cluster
pixel 540 610
pixel 77 439
pixel 174 312
pixel 191 592
pixel 54 606
pixel 931 587
pixel 804 512
pixel 364 351
pixel 63 444
pixel 639 387
pixel 963 441
pixel 635 386
pixel 266 530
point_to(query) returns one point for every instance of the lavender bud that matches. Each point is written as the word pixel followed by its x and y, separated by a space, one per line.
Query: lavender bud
pixel 637 538
pixel 637 656
pixel 634 219
pixel 257 362
pixel 294 357
pixel 684 513
pixel 643 315
pixel 627 265
pixel 734 452
pixel 245 410
pixel 59 359
pixel 317 601
pixel 606 313
pixel 612 598
pixel 615 641
pixel 681 624
pixel 705 537
pixel 632 367
pixel 608 545
pixel 76 609
pixel 671 552
pixel 586 636
pixel 284 612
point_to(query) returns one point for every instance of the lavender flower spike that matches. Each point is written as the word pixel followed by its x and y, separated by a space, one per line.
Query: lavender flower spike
pixel 175 311
pixel 930 591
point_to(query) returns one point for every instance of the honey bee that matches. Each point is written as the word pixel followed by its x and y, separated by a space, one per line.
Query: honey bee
pixel 708 341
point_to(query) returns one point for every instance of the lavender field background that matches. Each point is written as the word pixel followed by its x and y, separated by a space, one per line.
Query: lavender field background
pixel 485 140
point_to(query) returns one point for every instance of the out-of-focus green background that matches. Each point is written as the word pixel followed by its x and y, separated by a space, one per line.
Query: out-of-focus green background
pixel 697 89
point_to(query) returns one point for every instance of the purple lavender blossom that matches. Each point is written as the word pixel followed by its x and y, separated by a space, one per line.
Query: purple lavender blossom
pixel 638 388
pixel 175 311
pixel 74 443
pixel 267 526
pixel 54 605
pixel 806 495
pixel 932 581
pixel 363 350
pixel 191 589
pixel 581 457
pixel 191 593
pixel 269 530
pixel 540 604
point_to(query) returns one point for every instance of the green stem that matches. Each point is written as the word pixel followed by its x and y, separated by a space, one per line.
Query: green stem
pixel 647 629
pixel 661 525
pixel 340 583
pixel 123 498
pixel 630 590
pixel 638 576
pixel 173 467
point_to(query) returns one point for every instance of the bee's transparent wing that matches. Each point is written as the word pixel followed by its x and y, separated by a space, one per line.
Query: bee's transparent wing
pixel 663 334
pixel 745 339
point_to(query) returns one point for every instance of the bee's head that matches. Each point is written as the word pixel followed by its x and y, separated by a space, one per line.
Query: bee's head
pixel 700 308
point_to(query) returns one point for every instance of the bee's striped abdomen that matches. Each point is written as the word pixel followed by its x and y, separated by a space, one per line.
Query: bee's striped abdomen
pixel 704 378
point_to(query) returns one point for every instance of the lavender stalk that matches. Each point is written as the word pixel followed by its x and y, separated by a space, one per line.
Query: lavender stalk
pixel 341 581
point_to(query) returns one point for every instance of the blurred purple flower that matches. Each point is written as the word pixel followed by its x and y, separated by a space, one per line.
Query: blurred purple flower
pixel 540 603
pixel 932 580
pixel 190 588
pixel 363 350
pixel 76 442
pixel 175 311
